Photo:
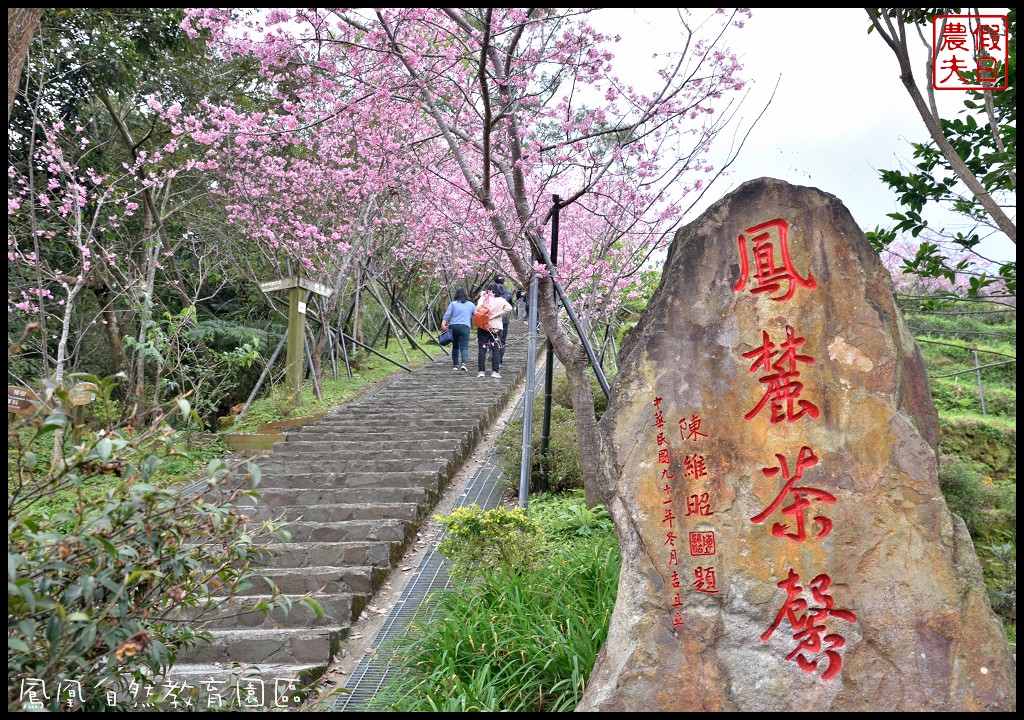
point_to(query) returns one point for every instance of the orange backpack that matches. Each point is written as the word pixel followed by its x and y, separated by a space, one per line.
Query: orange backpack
pixel 482 316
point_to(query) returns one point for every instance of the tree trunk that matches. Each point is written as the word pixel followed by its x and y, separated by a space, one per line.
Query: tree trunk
pixel 21 25
pixel 577 371
pixel 59 368
pixel 106 301
pixel 357 318
pixel 151 252
pixel 316 348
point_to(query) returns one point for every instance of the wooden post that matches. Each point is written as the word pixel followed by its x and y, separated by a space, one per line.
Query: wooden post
pixel 981 390
pixel 296 338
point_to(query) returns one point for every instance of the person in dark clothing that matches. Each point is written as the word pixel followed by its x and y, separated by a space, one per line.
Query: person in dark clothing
pixel 521 295
pixel 503 292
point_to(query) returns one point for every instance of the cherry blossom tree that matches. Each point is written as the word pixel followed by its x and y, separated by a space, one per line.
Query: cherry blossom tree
pixel 103 202
pixel 493 112
pixel 59 201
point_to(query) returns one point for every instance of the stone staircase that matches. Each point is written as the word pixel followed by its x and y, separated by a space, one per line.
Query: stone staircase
pixel 354 488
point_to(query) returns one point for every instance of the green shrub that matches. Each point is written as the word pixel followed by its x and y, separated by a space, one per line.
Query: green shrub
pixel 1001 402
pixel 226 336
pixel 513 641
pixel 999 559
pixel 106 591
pixel 561 468
pixel 982 441
pixel 961 485
pixel 477 539
pixel 566 517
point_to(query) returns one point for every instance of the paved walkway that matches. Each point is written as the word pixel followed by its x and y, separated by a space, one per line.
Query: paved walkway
pixel 356 487
pixel 484 487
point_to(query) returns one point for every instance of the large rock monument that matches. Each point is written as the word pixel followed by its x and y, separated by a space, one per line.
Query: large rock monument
pixel 770 459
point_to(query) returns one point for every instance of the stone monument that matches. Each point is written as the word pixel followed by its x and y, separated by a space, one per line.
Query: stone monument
pixel 770 461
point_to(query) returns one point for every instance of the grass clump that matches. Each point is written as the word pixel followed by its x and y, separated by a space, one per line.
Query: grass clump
pixel 516 637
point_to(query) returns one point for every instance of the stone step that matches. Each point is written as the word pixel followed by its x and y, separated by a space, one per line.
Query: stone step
pixel 420 403
pixel 407 511
pixel 429 480
pixel 288 497
pixel 432 447
pixel 404 429
pixel 421 429
pixel 425 413
pixel 301 450
pixel 430 386
pixel 365 435
pixel 291 646
pixel 354 467
pixel 309 452
pixel 352 531
pixel 236 613
pixel 307 554
pixel 357 580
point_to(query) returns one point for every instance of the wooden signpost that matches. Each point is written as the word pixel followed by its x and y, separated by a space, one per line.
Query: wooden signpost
pixel 79 396
pixel 21 400
pixel 296 324
pixel 82 394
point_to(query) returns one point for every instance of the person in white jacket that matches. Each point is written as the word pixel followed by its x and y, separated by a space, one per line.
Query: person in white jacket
pixel 490 338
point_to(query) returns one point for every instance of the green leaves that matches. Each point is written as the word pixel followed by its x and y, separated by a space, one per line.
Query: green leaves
pixel 476 539
pixel 983 136
pixel 512 639
pixel 95 592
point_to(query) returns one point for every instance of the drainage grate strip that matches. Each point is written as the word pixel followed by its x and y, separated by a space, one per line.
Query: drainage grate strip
pixel 370 675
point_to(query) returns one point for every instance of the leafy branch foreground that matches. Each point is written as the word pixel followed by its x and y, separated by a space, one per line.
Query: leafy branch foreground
pixel 104 595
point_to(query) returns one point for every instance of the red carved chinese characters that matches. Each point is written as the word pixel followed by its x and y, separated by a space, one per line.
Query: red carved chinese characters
pixel 704 580
pixel 810 633
pixel 699 505
pixel 668 518
pixel 782 386
pixel 775 277
pixel 702 542
pixel 659 416
pixel 690 430
pixel 694 467
pixel 805 459
pixel 767 273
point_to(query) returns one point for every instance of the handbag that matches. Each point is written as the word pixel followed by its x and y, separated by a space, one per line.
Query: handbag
pixel 445 338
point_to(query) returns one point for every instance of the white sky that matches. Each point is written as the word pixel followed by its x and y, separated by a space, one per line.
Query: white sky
pixel 839 116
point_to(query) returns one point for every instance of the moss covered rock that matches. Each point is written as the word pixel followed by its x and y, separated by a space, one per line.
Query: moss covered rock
pixel 974 439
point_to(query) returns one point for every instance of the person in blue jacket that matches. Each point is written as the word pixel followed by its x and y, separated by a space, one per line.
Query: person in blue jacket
pixel 459 317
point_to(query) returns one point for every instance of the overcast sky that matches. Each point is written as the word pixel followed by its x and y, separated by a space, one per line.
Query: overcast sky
pixel 840 113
